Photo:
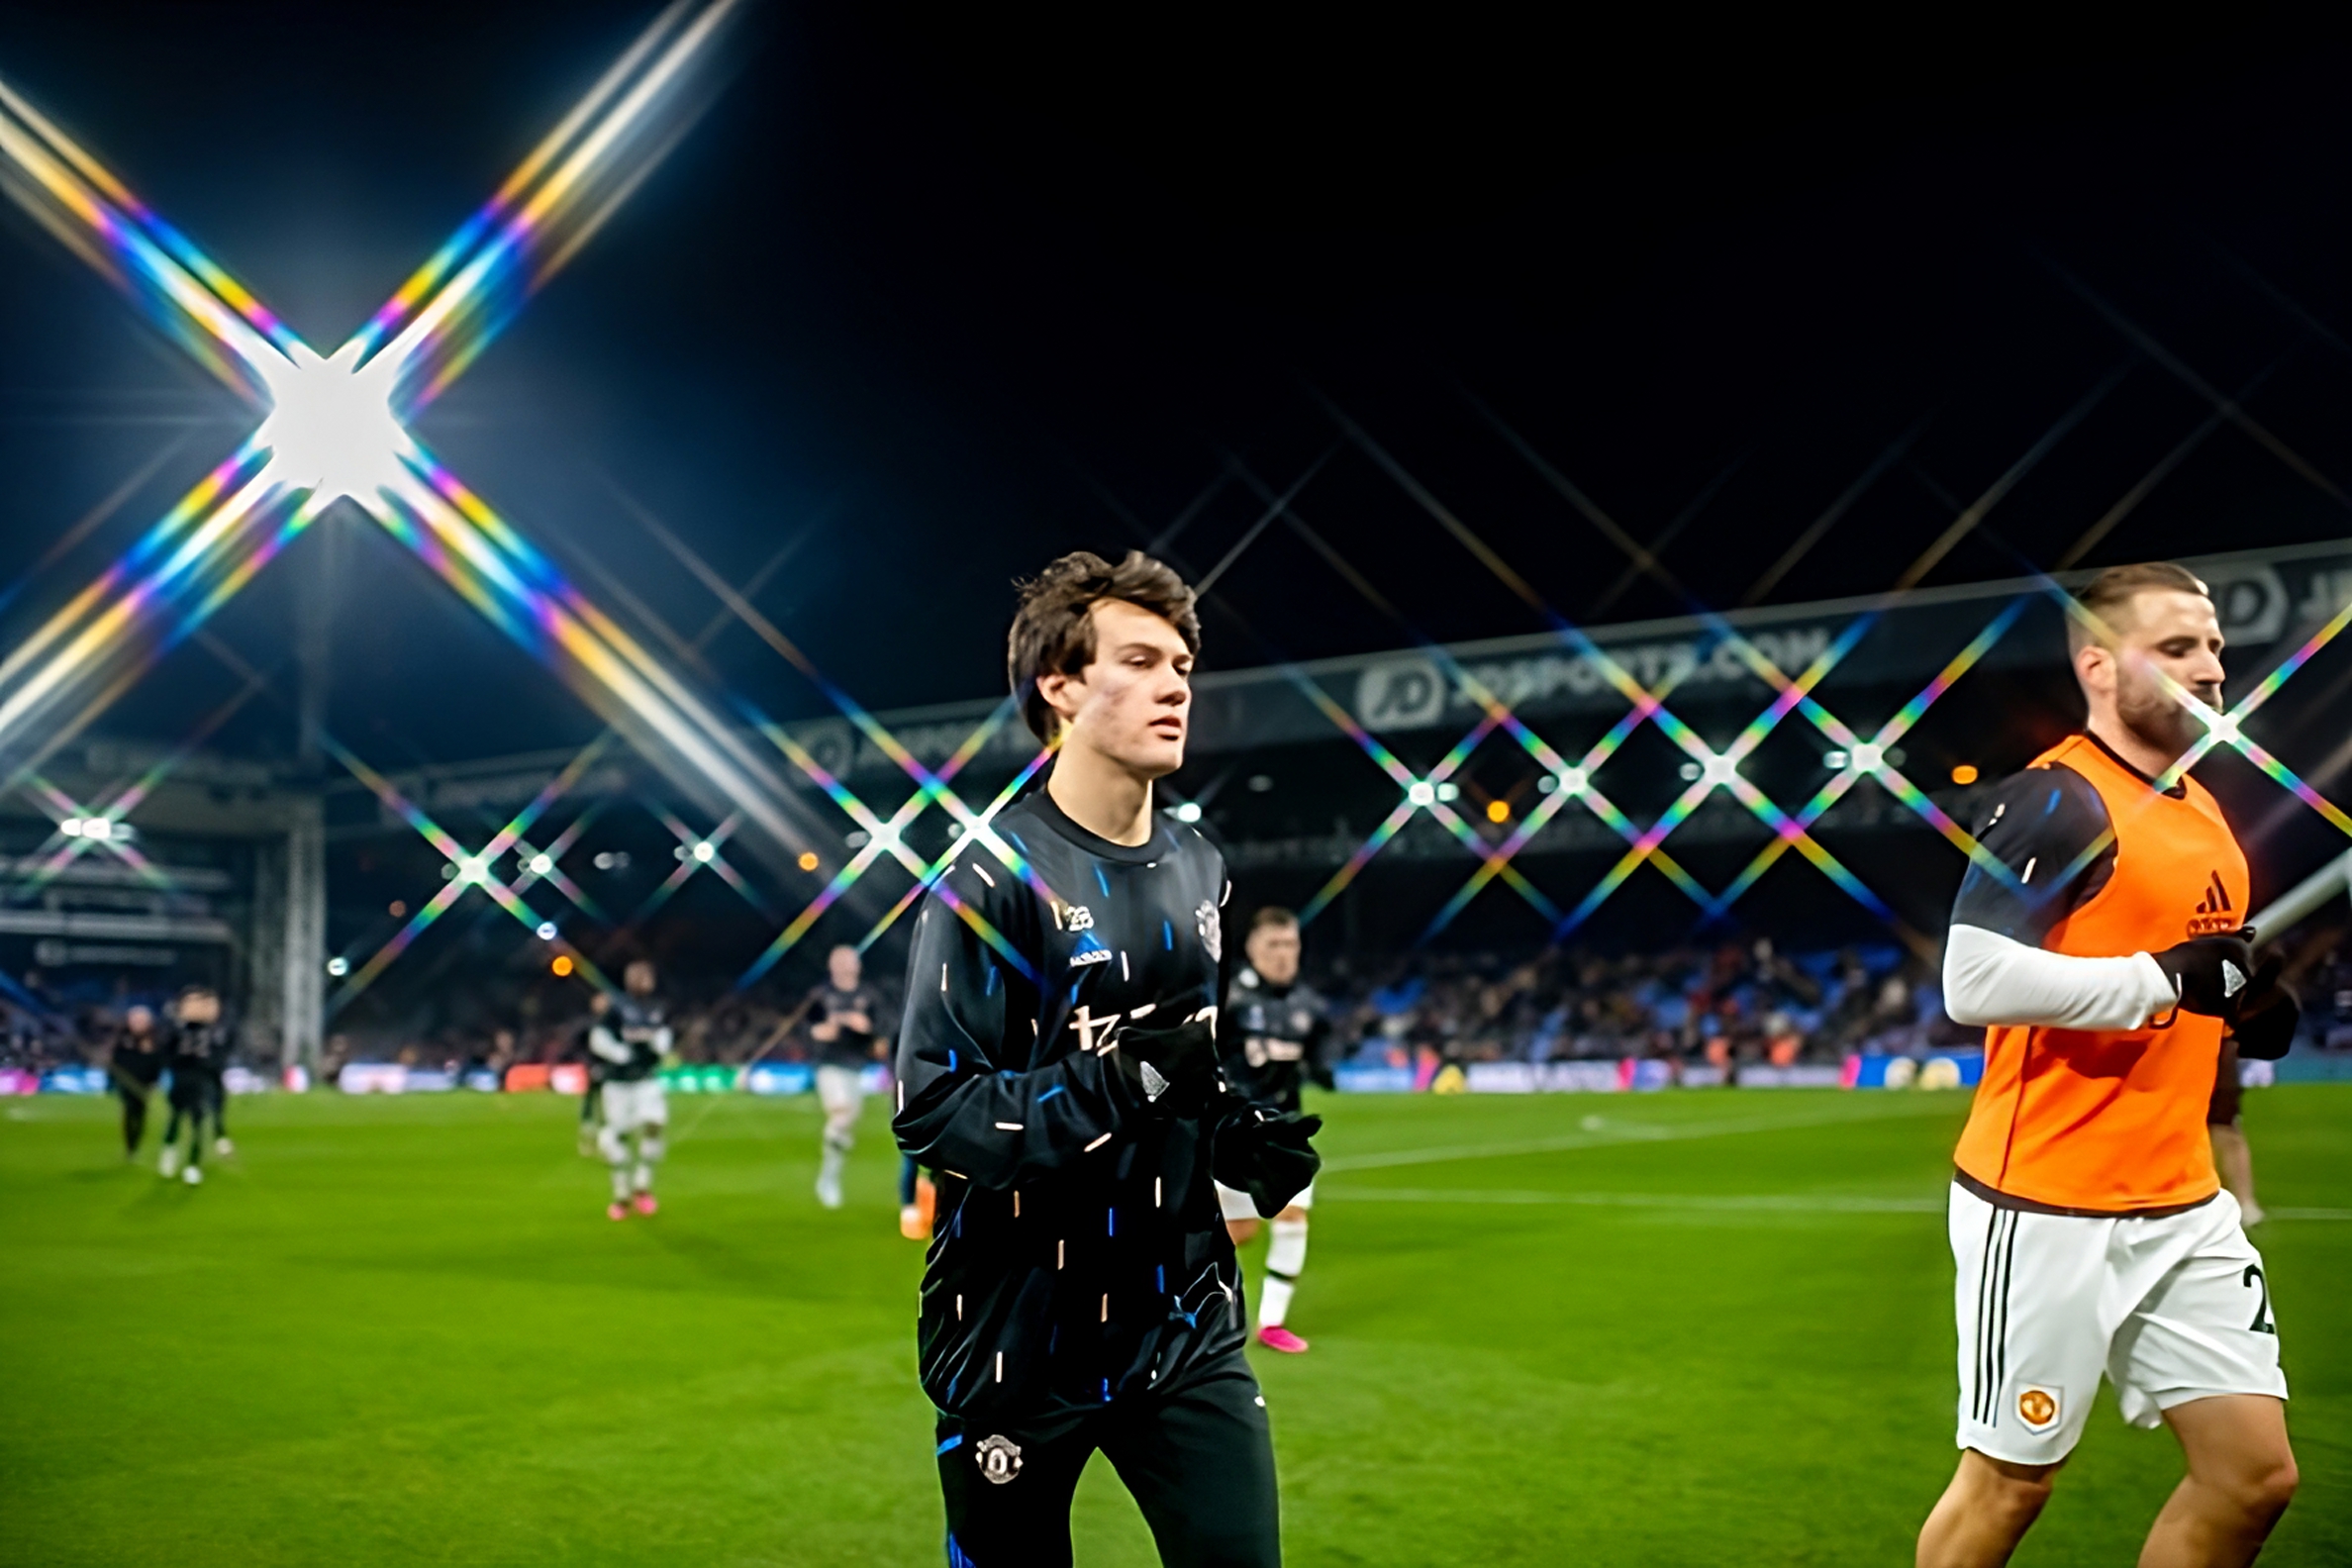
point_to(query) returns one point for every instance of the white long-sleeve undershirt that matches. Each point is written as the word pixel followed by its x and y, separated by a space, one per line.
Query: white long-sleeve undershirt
pixel 1992 979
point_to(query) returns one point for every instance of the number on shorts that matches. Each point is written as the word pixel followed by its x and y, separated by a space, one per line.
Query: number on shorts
pixel 2262 1323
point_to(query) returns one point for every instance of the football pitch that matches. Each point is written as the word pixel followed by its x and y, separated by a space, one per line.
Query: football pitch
pixel 1681 1329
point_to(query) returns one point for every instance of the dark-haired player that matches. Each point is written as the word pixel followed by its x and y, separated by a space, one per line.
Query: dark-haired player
pixel 134 1064
pixel 1273 1034
pixel 2091 1237
pixel 1057 1067
pixel 197 1057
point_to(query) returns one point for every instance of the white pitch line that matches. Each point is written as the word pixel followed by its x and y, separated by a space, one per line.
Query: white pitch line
pixel 1767 1203
pixel 1792 1203
pixel 1618 1134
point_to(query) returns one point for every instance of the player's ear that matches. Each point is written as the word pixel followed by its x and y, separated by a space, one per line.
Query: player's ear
pixel 1055 687
pixel 2094 667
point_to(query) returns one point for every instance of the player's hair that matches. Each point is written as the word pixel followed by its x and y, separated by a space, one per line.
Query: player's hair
pixel 2107 598
pixel 1272 915
pixel 1053 632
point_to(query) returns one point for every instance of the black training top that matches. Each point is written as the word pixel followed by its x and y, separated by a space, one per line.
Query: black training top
pixel 197 1052
pixel 1079 1255
pixel 637 1027
pixel 2050 828
pixel 849 1048
pixel 138 1059
pixel 1274 1038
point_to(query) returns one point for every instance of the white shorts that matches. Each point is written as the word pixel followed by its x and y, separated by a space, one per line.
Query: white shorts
pixel 840 1089
pixel 629 1106
pixel 1235 1204
pixel 2169 1309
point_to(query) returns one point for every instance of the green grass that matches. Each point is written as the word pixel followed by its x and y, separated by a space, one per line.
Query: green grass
pixel 1702 1328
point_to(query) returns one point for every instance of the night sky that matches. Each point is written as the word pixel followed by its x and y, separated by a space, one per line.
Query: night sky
pixel 942 295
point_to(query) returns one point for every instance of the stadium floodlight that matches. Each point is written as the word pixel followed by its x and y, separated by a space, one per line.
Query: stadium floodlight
pixel 1421 793
pixel 71 827
pixel 539 864
pixel 339 966
pixel 546 930
pixel 331 428
pixel 704 850
pixel 1185 810
pixel 1645 846
pixel 337 426
pixel 465 869
pixel 873 838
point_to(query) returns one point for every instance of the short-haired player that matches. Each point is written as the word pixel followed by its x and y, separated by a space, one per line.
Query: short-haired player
pixel 1273 1034
pixel 631 1038
pixel 2105 953
pixel 844 1016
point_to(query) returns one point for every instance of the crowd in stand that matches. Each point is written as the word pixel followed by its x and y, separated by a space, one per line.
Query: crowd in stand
pixel 1729 1003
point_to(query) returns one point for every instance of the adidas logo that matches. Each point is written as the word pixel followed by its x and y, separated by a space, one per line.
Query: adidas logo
pixel 2217 899
pixel 2233 979
pixel 1154 1083
pixel 2214 912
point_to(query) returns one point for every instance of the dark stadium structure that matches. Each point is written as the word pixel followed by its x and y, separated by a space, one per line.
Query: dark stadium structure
pixel 253 875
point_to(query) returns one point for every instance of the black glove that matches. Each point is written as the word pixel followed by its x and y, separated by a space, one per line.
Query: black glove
pixel 1267 1155
pixel 1171 1068
pixel 2209 974
pixel 2266 1014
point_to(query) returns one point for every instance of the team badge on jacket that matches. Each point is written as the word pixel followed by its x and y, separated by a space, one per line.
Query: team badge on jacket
pixel 1212 935
pixel 998 1457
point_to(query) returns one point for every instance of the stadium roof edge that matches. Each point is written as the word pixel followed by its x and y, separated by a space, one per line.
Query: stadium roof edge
pixel 1667 626
pixel 971 710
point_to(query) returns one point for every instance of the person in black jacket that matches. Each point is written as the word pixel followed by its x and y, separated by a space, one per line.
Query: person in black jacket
pixel 1057 1067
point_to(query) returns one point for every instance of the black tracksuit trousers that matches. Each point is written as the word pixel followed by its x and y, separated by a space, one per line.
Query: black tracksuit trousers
pixel 1198 1460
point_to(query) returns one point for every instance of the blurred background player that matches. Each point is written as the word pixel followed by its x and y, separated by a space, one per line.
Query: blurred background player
pixel 134 1063
pixel 2090 1232
pixel 591 1097
pixel 842 1014
pixel 630 1040
pixel 1273 1035
pixel 917 1199
pixel 197 1055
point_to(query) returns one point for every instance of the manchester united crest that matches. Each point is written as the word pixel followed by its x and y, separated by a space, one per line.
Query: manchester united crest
pixel 999 1458
pixel 1212 934
pixel 2037 1407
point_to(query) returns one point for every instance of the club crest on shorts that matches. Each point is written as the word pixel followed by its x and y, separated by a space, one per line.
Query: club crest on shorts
pixel 999 1459
pixel 2039 1407
pixel 1211 937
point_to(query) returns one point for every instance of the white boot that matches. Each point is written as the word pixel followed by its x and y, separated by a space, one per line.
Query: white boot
pixel 223 1147
pixel 193 1175
pixel 169 1163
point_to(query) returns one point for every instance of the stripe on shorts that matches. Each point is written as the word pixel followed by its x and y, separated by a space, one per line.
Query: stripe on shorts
pixel 1993 1277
